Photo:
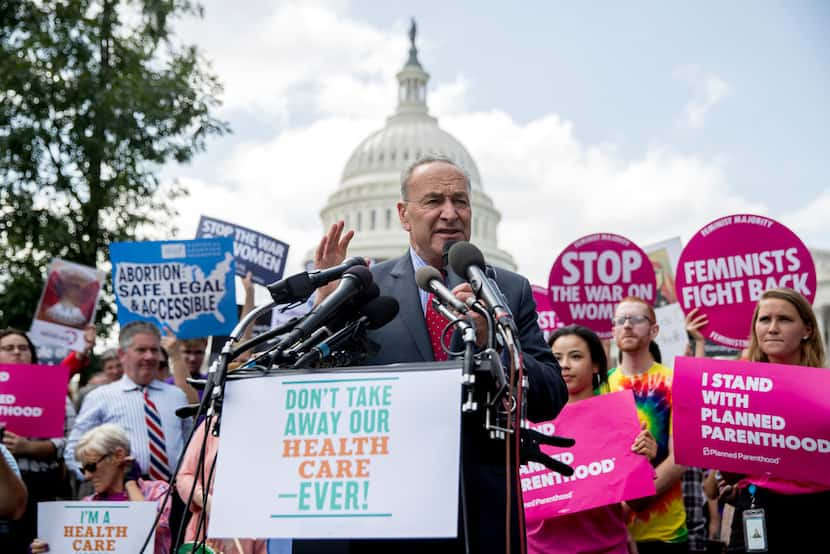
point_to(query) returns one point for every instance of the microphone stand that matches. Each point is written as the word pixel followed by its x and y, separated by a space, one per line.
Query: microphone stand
pixel 215 387
pixel 506 403
pixel 468 335
pixel 210 407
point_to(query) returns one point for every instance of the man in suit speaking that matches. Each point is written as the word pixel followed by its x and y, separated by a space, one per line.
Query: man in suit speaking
pixel 435 208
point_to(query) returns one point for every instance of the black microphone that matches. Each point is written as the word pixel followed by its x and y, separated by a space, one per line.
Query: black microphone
pixel 375 314
pixel 358 303
pixel 300 286
pixel 452 279
pixel 353 282
pixel 188 410
pixel 430 280
pixel 466 259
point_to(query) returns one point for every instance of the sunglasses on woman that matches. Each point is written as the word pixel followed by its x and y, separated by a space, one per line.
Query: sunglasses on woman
pixel 93 467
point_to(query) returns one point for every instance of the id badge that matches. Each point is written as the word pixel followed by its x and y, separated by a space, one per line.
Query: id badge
pixel 755 531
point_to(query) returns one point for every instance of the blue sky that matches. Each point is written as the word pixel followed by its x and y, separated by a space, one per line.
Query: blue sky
pixel 608 67
pixel 647 119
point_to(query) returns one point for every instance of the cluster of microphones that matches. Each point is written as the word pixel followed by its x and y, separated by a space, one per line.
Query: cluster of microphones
pixel 333 333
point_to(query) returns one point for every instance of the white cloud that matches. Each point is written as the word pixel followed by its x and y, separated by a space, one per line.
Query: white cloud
pixel 810 221
pixel 296 54
pixel 550 187
pixel 278 186
pixel 554 189
pixel 708 90
pixel 447 99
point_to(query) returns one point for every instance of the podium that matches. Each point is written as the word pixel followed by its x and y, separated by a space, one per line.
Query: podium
pixel 352 453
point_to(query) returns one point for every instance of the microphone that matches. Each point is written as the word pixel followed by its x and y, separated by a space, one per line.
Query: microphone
pixel 359 303
pixel 354 281
pixel 375 314
pixel 300 286
pixel 188 410
pixel 466 259
pixel 430 280
pixel 452 279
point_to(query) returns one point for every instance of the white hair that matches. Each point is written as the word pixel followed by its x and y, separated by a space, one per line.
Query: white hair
pixel 104 439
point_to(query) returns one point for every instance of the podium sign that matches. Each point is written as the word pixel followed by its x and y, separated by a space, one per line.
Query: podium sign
pixel 352 454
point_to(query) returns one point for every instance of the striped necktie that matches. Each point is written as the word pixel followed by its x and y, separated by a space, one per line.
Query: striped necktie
pixel 159 466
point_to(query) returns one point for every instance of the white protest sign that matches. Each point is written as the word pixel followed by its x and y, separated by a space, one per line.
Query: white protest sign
pixel 67 304
pixel 96 527
pixel 672 339
pixel 339 455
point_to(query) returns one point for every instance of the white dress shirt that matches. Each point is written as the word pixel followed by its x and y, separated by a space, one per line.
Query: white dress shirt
pixel 122 403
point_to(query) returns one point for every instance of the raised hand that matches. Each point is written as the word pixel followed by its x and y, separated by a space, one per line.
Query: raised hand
pixel 332 248
pixel 330 252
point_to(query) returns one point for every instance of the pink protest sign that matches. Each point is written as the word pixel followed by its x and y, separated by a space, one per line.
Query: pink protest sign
pixel 606 470
pixel 753 418
pixel 593 274
pixel 32 399
pixel 728 264
pixel 546 317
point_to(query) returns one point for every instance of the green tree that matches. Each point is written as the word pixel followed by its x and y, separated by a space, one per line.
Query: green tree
pixel 95 96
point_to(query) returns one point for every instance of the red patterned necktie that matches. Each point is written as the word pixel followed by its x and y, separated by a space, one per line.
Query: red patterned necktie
pixel 435 325
pixel 159 466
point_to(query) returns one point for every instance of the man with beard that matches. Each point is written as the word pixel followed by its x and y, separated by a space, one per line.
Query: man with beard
pixel 660 525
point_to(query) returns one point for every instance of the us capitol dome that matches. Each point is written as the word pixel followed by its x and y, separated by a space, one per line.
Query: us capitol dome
pixel 370 184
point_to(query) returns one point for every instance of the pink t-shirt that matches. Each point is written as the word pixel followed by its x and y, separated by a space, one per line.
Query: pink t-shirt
pixel 598 531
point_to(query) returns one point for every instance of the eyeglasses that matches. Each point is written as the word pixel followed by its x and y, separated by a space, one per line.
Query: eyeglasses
pixel 93 467
pixel 634 319
pixel 13 347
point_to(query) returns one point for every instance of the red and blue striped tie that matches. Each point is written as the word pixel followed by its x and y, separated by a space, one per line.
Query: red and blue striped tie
pixel 159 466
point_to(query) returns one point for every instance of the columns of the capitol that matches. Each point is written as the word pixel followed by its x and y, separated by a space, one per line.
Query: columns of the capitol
pixel 369 208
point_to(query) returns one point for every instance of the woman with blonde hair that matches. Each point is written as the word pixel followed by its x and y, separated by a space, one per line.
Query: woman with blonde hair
pixel 784 331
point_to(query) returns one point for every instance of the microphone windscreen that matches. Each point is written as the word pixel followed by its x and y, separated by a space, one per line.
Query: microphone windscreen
pixel 188 410
pixel 445 252
pixel 367 295
pixel 426 274
pixel 463 255
pixel 380 311
pixel 355 261
pixel 363 274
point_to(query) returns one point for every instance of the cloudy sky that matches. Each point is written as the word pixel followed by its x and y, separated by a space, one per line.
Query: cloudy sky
pixel 646 119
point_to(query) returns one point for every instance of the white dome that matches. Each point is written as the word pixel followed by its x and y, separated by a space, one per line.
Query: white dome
pixel 370 184
pixel 406 138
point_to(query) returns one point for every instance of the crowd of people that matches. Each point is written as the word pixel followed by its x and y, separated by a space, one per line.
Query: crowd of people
pixel 123 439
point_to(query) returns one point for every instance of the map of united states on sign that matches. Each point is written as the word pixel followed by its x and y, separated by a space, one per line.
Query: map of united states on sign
pixel 178 292
pixel 187 288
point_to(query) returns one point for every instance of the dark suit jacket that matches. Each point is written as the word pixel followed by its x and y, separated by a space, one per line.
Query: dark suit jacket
pixel 405 340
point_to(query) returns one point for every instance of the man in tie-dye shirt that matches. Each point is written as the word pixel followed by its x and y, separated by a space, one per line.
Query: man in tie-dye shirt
pixel 661 525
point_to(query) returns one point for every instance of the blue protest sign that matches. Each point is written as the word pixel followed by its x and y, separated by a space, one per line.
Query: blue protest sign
pixel 186 285
pixel 260 254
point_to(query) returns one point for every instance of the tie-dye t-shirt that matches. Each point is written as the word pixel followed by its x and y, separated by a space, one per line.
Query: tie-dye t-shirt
pixel 665 519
